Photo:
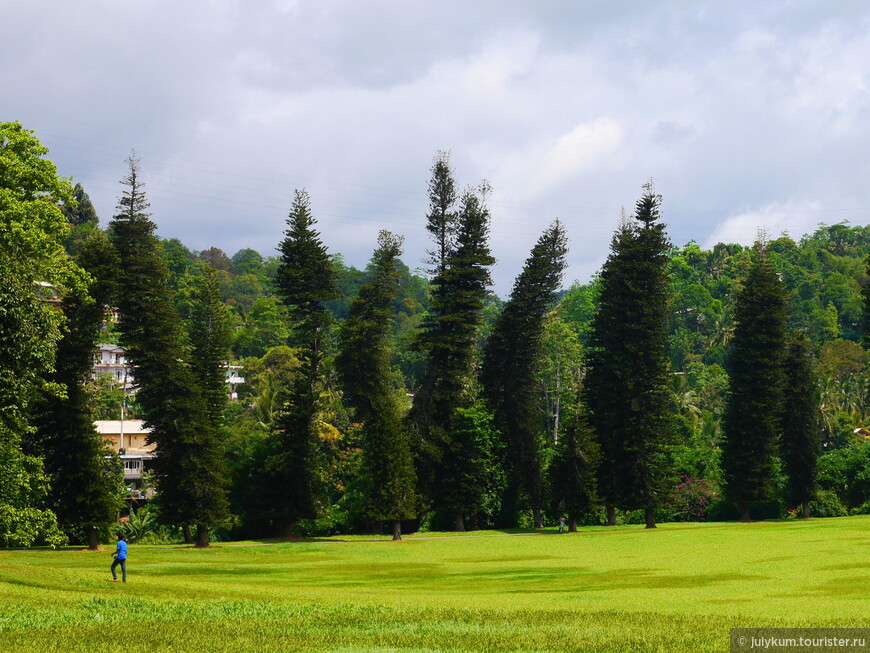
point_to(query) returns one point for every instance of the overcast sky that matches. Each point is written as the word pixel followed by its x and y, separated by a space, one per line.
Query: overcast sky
pixel 746 114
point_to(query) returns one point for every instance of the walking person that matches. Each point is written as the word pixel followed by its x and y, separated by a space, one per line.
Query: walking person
pixel 561 523
pixel 120 556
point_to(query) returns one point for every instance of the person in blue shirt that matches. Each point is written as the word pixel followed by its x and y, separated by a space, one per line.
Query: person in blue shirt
pixel 120 556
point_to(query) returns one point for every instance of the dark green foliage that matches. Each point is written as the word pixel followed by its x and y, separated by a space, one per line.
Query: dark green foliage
pixel 847 472
pixel 24 486
pixel 755 367
pixel 210 342
pixel 474 478
pixel 510 362
pixel 608 363
pixel 627 387
pixel 644 465
pixel 85 478
pixel 800 446
pixel 573 469
pixel 81 211
pixel 363 365
pixel 827 504
pixel 188 468
pixel 450 341
pixel 305 281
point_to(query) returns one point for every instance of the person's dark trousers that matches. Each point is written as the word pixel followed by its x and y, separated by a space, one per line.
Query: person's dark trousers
pixel 123 564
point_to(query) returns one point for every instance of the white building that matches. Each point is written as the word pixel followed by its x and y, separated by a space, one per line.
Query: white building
pixel 129 439
pixel 234 379
pixel 111 359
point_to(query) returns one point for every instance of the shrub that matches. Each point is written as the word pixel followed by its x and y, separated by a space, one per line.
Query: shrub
pixel 639 516
pixel 22 527
pixel 847 472
pixel 827 504
pixel 692 498
pixel 863 509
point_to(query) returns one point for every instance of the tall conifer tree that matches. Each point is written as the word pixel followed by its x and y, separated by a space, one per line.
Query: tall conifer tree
pixel 510 361
pixel 450 338
pixel 630 363
pixel 306 279
pixel 608 363
pixel 364 367
pixel 755 368
pixel 188 466
pixel 650 409
pixel 801 445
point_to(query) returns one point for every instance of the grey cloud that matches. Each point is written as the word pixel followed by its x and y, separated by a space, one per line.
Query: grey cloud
pixel 732 107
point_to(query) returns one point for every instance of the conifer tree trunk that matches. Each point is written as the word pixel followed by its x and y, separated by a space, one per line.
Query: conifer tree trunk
pixel 805 510
pixel 185 531
pixel 201 537
pixel 459 521
pixel 397 530
pixel 650 516
pixel 93 538
pixel 744 513
pixel 539 521
pixel 611 515
pixel 572 524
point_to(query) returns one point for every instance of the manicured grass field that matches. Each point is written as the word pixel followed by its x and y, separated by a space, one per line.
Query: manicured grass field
pixel 677 588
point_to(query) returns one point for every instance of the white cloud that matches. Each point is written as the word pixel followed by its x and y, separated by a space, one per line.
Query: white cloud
pixel 792 216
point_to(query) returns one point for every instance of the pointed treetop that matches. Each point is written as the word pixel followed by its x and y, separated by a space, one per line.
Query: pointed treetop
pixel 762 241
pixel 441 218
pixel 647 209
pixel 133 204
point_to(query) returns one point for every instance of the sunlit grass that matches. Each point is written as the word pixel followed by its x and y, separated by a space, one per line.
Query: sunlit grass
pixel 679 587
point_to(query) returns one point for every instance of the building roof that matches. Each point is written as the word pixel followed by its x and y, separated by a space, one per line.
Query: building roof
pixel 106 346
pixel 113 426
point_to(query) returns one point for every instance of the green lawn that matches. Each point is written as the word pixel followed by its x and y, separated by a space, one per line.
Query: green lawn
pixel 679 587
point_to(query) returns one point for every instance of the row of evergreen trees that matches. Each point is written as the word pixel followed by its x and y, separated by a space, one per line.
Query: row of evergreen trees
pixel 468 446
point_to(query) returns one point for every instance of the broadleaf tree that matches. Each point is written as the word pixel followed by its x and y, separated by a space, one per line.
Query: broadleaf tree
pixel 36 267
